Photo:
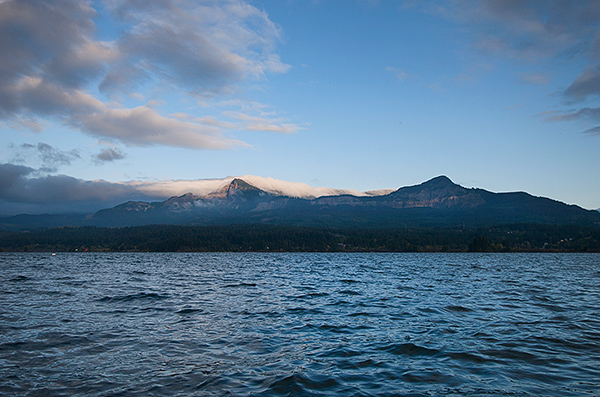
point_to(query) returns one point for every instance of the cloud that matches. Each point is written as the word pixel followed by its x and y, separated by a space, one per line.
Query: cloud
pixel 473 71
pixel 539 32
pixel 398 73
pixel 108 155
pixel 257 123
pixel 53 66
pixel 42 37
pixel 48 156
pixel 593 131
pixel 22 189
pixel 301 190
pixel 18 183
pixel 52 157
pixel 530 29
pixel 144 126
pixel 534 78
pixel 203 46
pixel 585 113
pixel 585 85
pixel 9 174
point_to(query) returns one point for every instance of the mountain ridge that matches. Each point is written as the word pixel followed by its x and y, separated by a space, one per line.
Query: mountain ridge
pixel 436 202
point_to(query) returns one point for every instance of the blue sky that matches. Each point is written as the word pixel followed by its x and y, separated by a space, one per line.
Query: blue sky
pixel 98 96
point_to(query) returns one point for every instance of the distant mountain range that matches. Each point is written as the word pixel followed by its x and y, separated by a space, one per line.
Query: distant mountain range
pixel 437 202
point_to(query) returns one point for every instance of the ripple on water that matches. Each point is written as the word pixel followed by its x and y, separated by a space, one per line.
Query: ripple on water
pixel 134 297
pixel 300 324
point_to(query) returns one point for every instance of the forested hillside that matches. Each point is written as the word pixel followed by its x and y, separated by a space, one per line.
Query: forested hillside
pixel 160 238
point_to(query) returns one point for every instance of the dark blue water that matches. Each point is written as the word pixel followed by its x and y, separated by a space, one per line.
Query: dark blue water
pixel 300 324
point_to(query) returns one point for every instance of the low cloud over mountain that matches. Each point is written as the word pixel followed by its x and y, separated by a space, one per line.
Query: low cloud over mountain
pixel 26 190
pixel 256 200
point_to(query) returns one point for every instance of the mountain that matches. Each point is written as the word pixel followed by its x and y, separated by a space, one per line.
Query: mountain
pixel 438 202
pixel 238 189
pixel 229 202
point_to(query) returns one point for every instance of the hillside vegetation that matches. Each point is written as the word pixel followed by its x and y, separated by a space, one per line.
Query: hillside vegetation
pixel 239 238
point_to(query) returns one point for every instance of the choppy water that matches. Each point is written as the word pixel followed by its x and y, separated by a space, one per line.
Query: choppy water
pixel 300 324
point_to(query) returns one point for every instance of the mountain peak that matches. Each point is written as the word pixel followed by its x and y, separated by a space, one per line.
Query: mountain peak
pixel 240 184
pixel 236 187
pixel 247 199
pixel 439 192
pixel 440 181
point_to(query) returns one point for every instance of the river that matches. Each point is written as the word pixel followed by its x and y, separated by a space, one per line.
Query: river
pixel 300 324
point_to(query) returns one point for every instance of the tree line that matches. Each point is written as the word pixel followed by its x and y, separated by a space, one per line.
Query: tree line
pixel 240 238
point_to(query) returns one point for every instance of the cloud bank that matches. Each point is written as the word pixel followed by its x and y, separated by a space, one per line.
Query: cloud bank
pixel 55 66
pixel 24 190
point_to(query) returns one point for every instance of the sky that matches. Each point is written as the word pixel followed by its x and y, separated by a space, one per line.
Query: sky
pixel 107 101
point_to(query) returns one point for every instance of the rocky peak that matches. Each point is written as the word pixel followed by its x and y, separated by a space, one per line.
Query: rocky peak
pixel 441 181
pixel 184 198
pixel 237 188
pixel 439 192
pixel 180 203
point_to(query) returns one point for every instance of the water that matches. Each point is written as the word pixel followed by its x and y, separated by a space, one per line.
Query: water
pixel 300 324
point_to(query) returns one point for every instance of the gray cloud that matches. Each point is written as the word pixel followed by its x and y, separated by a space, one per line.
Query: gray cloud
pixel 9 174
pixel 52 157
pixel 531 29
pixel 22 190
pixel 593 131
pixel 48 156
pixel 18 183
pixel 534 78
pixel 52 63
pixel 143 126
pixel 592 114
pixel 108 155
pixel 198 45
pixel 586 113
pixel 585 85
pixel 39 37
pixel 537 31
pixel 176 56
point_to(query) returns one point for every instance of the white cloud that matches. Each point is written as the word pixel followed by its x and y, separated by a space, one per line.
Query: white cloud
pixel 22 187
pixel 299 189
pixel 143 126
pixel 202 187
pixel 257 123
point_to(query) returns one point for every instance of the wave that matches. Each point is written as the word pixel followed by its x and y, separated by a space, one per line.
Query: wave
pixel 134 297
